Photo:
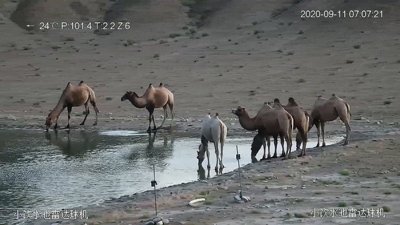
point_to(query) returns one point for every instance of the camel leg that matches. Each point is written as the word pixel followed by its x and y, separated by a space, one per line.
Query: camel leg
pixel 96 110
pixel 149 129
pixel 288 146
pixel 345 119
pixel 221 165
pixel 171 108
pixel 305 140
pixel 269 147
pixel 298 140
pixel 86 112
pixel 165 116
pixel 348 129
pixel 283 146
pixel 302 137
pixel 317 124
pixel 208 159
pixel 154 122
pixel 69 108
pixel 265 150
pixel 216 155
pixel 323 133
pixel 276 147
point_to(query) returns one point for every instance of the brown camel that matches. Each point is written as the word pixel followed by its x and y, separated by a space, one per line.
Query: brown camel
pixel 271 123
pixel 73 96
pixel 264 141
pixel 325 110
pixel 153 97
pixel 301 121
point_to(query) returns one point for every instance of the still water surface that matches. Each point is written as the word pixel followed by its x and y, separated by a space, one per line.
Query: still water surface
pixel 58 170
pixel 69 169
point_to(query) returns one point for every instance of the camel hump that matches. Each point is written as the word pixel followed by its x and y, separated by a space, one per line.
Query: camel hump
pixel 161 84
pixel 68 85
pixel 333 97
pixel 81 82
pixel 292 101
pixel 277 104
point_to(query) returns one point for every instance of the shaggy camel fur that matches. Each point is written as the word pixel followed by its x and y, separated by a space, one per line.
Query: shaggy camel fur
pixel 271 123
pixel 301 121
pixel 151 99
pixel 215 131
pixel 325 110
pixel 73 96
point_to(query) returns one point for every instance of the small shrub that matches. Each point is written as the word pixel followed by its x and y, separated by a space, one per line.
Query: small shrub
pixel 301 80
pixel 174 35
pixel 344 172
pixel 387 102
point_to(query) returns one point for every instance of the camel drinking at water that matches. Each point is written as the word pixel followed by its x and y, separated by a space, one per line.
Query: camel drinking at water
pixel 271 123
pixel 73 96
pixel 215 131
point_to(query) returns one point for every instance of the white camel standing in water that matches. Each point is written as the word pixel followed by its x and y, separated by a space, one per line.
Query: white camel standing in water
pixel 215 131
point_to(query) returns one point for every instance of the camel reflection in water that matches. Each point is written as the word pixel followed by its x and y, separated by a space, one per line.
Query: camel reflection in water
pixel 152 149
pixel 201 172
pixel 153 152
pixel 73 145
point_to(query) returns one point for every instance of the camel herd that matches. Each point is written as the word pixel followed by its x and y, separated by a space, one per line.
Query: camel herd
pixel 272 120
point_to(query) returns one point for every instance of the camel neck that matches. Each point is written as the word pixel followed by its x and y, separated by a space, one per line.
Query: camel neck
pixel 247 123
pixel 139 102
pixel 58 109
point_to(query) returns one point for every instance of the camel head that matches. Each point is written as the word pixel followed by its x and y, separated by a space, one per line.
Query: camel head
pixel 50 120
pixel 127 95
pixel 256 146
pixel 201 153
pixel 239 111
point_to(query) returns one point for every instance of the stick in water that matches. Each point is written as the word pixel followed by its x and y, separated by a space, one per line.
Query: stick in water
pixel 240 178
pixel 153 184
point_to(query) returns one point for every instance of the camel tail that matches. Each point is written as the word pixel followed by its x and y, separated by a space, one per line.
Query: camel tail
pixel 348 109
pixel 307 121
pixel 291 126
pixel 223 132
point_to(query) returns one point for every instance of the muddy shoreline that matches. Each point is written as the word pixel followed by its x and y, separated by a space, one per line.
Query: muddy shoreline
pixel 273 175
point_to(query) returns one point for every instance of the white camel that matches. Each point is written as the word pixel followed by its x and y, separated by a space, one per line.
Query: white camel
pixel 215 131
